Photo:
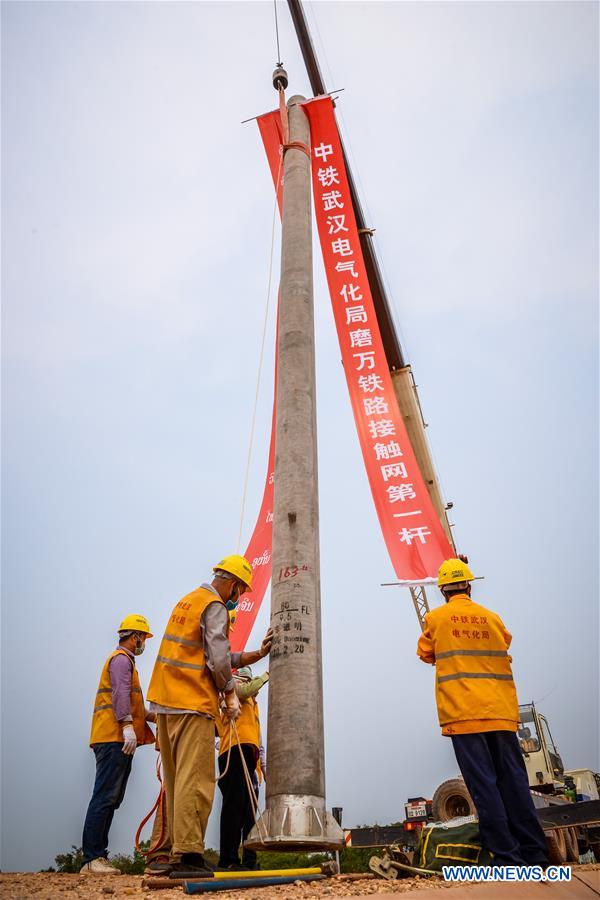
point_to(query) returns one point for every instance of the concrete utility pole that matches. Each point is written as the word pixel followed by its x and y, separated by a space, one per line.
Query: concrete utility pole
pixel 295 815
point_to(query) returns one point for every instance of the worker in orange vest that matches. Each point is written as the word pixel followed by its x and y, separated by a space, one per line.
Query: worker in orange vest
pixel 119 725
pixel 478 709
pixel 239 749
pixel 193 667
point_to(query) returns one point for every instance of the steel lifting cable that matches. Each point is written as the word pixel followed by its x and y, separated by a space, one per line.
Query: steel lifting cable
pixel 279 63
pixel 260 364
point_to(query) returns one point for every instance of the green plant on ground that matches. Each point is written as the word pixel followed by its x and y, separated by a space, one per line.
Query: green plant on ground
pixel 70 861
pixel 270 859
pixel 133 864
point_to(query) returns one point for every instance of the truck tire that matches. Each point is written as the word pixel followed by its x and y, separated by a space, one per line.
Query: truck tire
pixel 572 845
pixel 557 846
pixel 452 799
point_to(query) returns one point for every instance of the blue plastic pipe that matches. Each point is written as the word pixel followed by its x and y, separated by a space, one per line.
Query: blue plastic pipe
pixel 232 884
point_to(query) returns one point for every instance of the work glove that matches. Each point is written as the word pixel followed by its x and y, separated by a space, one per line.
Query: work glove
pixel 265 647
pixel 150 716
pixel 232 706
pixel 129 740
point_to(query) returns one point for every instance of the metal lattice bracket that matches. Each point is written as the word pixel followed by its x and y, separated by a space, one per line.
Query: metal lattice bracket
pixel 421 604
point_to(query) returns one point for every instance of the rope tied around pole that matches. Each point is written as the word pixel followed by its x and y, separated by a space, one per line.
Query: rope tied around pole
pixel 285 128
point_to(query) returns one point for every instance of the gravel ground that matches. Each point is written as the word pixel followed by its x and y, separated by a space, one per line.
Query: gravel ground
pixel 48 886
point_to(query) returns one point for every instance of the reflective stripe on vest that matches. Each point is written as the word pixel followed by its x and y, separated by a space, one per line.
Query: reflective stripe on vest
pixel 178 662
pixel 464 652
pixel 105 728
pixel 184 641
pixel 474 675
pixel 181 678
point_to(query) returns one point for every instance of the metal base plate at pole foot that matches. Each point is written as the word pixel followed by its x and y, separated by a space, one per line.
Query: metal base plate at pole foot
pixel 295 822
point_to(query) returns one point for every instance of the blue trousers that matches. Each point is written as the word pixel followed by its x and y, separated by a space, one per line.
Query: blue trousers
pixel 492 766
pixel 112 771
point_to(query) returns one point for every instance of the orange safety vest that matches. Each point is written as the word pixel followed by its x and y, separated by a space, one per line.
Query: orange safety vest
pixel 105 727
pixel 475 690
pixel 247 724
pixel 180 678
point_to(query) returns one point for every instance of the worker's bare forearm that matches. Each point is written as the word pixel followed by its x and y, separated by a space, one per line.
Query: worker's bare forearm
pixel 249 657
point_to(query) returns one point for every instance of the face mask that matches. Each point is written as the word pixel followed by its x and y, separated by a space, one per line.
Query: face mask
pixel 233 601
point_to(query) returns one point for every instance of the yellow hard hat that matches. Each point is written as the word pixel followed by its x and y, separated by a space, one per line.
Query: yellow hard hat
pixel 238 566
pixel 453 571
pixel 136 623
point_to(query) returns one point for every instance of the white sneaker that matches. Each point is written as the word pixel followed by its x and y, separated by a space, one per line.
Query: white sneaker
pixel 100 866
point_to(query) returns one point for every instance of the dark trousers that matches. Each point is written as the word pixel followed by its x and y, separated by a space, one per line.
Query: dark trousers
pixel 237 817
pixel 112 771
pixel 494 771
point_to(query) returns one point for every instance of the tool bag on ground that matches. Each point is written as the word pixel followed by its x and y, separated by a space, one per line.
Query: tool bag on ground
pixel 453 843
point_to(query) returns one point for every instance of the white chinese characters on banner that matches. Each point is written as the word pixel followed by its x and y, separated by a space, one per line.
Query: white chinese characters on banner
pixel 417 545
pixel 413 534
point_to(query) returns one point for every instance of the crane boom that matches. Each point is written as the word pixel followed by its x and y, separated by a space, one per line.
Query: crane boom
pixel 405 387
pixel 391 344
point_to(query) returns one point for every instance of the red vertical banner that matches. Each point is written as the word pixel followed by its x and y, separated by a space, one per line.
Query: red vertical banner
pixel 269 126
pixel 259 550
pixel 415 539
pixel 258 553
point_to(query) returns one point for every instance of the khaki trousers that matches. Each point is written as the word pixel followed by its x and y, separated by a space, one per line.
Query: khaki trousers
pixel 187 749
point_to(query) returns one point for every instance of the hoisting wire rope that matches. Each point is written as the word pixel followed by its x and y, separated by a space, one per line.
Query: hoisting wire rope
pixel 279 63
pixel 260 362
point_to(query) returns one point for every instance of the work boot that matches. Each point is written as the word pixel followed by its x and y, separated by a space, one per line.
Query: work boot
pixel 191 865
pixel 100 866
pixel 160 865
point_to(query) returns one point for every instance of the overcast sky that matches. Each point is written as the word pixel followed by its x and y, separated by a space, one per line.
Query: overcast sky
pixel 136 232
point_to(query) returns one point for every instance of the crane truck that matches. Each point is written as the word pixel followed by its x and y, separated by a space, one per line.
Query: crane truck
pixel 567 800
